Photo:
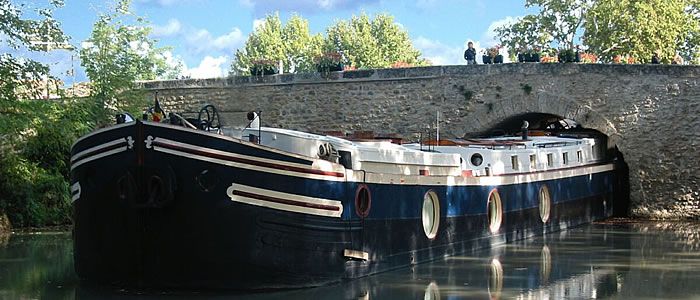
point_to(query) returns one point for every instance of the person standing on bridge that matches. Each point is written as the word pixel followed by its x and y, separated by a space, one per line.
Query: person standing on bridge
pixel 470 54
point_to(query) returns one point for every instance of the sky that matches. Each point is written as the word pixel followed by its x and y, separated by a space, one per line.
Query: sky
pixel 205 34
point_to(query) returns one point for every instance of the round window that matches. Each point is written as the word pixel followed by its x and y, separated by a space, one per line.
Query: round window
pixel 545 203
pixel 363 201
pixel 495 211
pixel 431 214
pixel 476 159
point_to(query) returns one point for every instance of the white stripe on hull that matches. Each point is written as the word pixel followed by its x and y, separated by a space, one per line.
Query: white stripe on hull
pixel 97 148
pixel 241 165
pixel 299 199
pixel 101 155
pixel 75 191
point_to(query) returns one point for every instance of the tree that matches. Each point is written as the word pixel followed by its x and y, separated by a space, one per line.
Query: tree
pixel 18 32
pixel 363 42
pixel 371 43
pixel 117 54
pixel 609 28
pixel 292 44
pixel 563 19
pixel 35 135
pixel 690 50
pixel 525 34
pixel 555 25
pixel 638 28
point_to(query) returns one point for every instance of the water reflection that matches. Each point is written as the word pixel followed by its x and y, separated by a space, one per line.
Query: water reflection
pixel 605 260
pixel 37 266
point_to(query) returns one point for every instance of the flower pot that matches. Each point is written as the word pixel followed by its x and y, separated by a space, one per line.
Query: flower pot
pixel 333 67
pixel 498 59
pixel 530 57
pixel 486 59
pixel 259 70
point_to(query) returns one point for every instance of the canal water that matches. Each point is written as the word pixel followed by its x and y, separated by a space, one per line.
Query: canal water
pixel 613 259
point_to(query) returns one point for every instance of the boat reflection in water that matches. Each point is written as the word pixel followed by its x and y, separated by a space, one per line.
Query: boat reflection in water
pixel 578 263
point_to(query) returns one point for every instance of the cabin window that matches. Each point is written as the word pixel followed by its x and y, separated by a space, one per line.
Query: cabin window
pixel 565 157
pixel 476 159
pixel 494 211
pixel 533 161
pixel 550 160
pixel 579 156
pixel 545 203
pixel 431 214
pixel 514 162
pixel 363 201
pixel 345 159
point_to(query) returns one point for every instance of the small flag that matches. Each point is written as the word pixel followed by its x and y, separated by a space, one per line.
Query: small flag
pixel 157 113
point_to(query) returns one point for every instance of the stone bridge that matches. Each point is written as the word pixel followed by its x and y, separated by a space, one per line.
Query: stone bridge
pixel 650 113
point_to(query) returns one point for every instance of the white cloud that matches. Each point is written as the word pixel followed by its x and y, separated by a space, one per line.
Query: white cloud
pixel 209 67
pixel 201 41
pixel 439 53
pixel 86 45
pixel 257 23
pixel 489 37
pixel 173 27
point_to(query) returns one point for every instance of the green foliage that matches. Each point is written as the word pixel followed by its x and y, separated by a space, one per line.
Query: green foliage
pixel 609 28
pixel 562 19
pixel 468 94
pixel 119 53
pixel 638 28
pixel 371 43
pixel 526 88
pixel 362 42
pixel 526 35
pixel 34 159
pixel 292 44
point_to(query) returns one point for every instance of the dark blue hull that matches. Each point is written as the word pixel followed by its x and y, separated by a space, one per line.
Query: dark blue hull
pixel 170 210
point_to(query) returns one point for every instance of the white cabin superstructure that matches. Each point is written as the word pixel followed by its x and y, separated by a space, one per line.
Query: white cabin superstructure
pixel 475 157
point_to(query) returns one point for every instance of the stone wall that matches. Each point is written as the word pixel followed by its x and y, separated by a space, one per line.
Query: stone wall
pixel 650 112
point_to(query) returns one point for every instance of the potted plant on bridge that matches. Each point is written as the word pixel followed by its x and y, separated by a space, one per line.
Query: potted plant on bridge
pixel 529 55
pixel 262 67
pixel 492 55
pixel 567 56
pixel 589 58
pixel 329 62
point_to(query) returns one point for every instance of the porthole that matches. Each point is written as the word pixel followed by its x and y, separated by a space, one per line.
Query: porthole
pixel 494 209
pixel 363 201
pixel 476 159
pixel 545 203
pixel 431 214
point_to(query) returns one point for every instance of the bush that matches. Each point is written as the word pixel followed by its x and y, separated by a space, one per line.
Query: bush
pixel 35 156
